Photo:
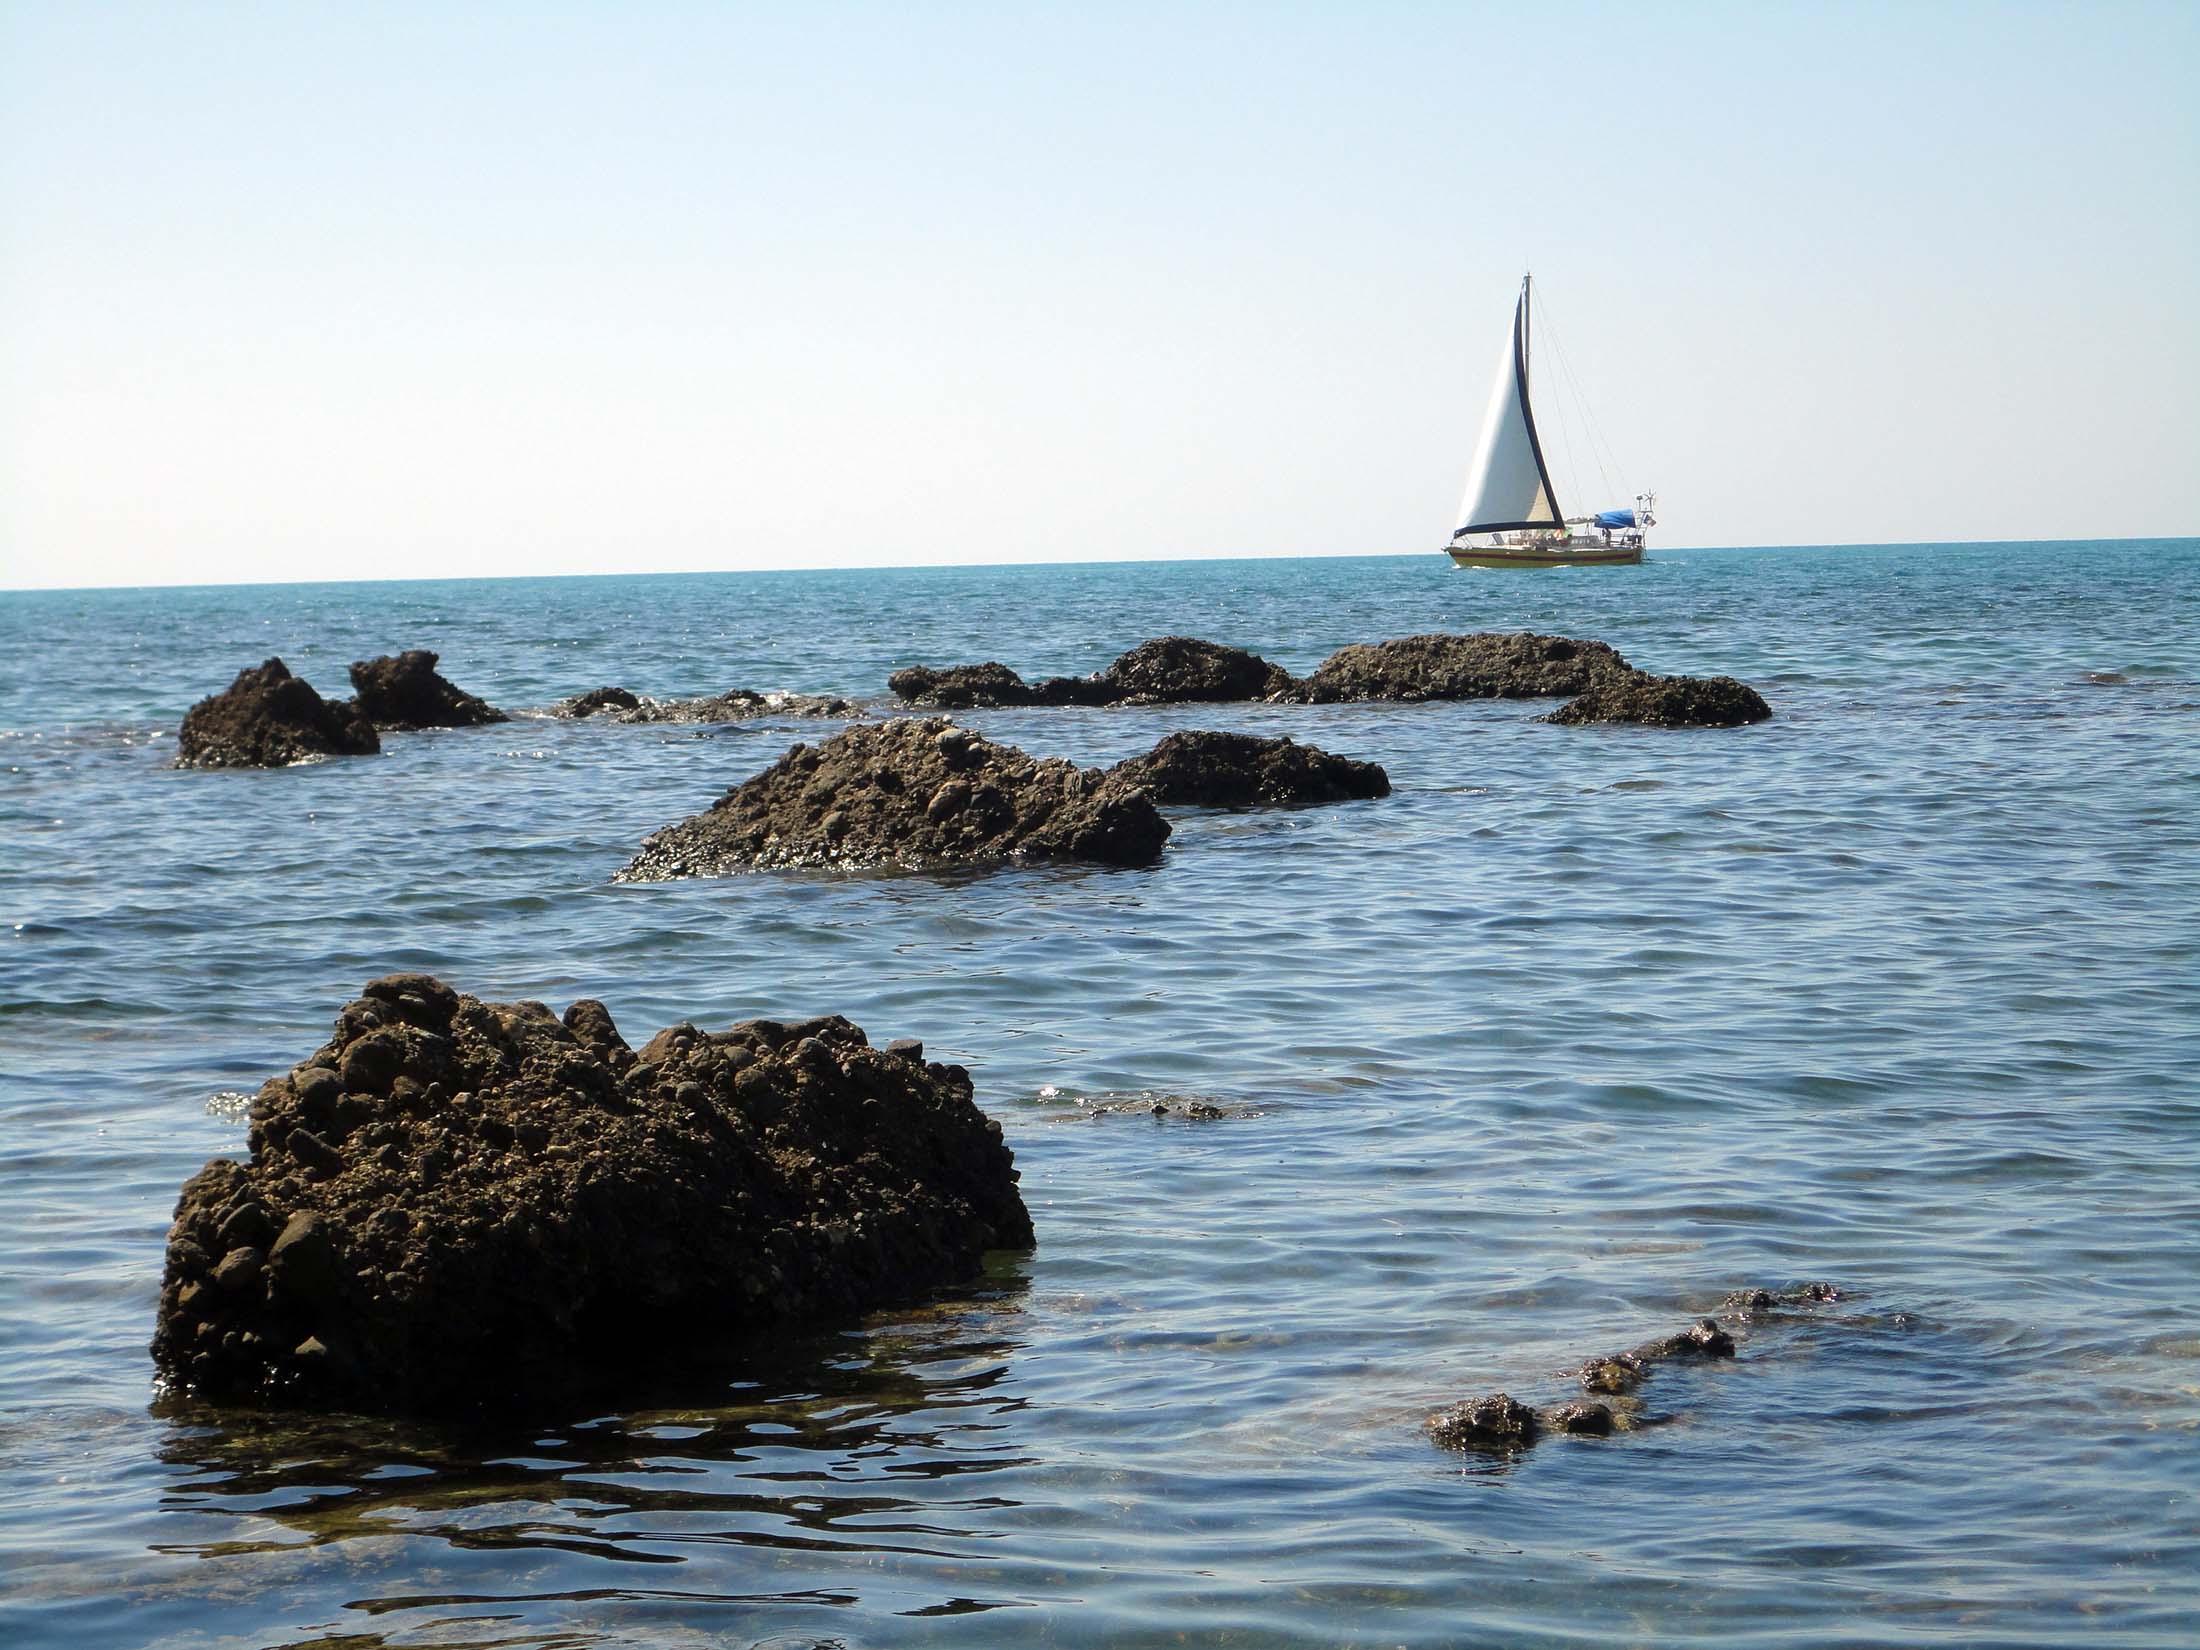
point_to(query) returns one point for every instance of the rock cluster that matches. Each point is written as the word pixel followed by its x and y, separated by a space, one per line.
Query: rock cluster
pixel 268 718
pixel 1665 701
pixel 457 1202
pixel 1408 669
pixel 908 793
pixel 1501 1422
pixel 1174 670
pixel 402 692
pixel 618 704
pixel 1517 665
pixel 1243 770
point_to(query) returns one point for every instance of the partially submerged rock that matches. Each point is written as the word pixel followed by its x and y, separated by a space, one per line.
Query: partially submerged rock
pixel 618 704
pixel 268 718
pixel 909 794
pixel 1665 702
pixel 1500 1421
pixel 1172 670
pixel 1487 665
pixel 455 1202
pixel 402 692
pixel 1243 770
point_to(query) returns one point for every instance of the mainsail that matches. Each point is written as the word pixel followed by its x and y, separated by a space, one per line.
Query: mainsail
pixel 1509 485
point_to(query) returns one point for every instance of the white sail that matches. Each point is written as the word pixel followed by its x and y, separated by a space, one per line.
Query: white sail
pixel 1509 485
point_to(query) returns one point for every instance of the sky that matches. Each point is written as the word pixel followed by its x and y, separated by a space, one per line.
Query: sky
pixel 309 291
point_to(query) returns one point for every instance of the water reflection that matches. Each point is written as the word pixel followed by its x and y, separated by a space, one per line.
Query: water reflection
pixel 850 1442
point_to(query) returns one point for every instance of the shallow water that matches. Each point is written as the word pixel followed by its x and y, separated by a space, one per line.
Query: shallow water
pixel 1573 1034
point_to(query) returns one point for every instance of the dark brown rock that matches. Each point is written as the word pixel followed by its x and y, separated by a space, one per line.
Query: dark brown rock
pixel 962 687
pixel 268 718
pixel 1172 670
pixel 1582 1420
pixel 1243 770
pixel 525 1212
pixel 909 794
pixel 1182 670
pixel 402 692
pixel 1622 1373
pixel 1496 1422
pixel 1665 702
pixel 1517 665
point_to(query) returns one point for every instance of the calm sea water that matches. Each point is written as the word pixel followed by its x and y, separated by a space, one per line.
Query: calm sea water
pixel 1576 1032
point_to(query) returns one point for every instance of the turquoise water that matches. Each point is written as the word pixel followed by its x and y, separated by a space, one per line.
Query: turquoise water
pixel 1576 1032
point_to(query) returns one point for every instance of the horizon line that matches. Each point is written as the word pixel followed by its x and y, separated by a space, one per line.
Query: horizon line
pixel 1035 566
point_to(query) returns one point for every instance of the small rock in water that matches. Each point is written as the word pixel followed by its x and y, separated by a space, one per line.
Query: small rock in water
pixel 1243 770
pixel 268 718
pixel 1665 702
pixel 907 794
pixel 1499 1421
pixel 401 692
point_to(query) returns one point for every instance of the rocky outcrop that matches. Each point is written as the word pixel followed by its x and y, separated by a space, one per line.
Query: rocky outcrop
pixel 1516 665
pixel 1243 770
pixel 402 692
pixel 1665 702
pixel 1173 670
pixel 1501 1422
pixel 909 794
pixel 457 1202
pixel 617 704
pixel 268 718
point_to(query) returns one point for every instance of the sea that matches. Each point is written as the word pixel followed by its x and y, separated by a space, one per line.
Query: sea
pixel 1577 1032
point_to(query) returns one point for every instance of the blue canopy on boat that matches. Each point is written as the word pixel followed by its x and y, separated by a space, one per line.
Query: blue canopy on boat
pixel 1615 518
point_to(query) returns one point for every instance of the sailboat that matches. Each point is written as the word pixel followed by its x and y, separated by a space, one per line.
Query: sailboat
pixel 1510 515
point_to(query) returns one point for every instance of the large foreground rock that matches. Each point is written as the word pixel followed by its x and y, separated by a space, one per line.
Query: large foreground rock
pixel 1488 665
pixel 1243 770
pixel 402 692
pixel 456 1202
pixel 617 704
pixel 1665 702
pixel 911 794
pixel 1173 670
pixel 268 718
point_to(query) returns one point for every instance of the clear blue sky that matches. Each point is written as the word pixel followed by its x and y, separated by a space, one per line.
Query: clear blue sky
pixel 304 291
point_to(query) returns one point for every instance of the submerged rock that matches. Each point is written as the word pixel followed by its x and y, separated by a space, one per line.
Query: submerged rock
pixel 1243 770
pixel 456 1202
pixel 910 794
pixel 617 704
pixel 1499 1421
pixel 1487 665
pixel 401 692
pixel 1172 670
pixel 1665 702
pixel 268 718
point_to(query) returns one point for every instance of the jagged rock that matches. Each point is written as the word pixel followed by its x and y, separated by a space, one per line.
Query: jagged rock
pixel 1665 702
pixel 1499 1421
pixel 1173 670
pixel 907 793
pixel 401 692
pixel 268 718
pixel 1487 665
pixel 1582 1420
pixel 1243 770
pixel 497 1204
pixel 616 704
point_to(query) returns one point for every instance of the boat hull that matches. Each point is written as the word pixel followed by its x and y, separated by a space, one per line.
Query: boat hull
pixel 1601 555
